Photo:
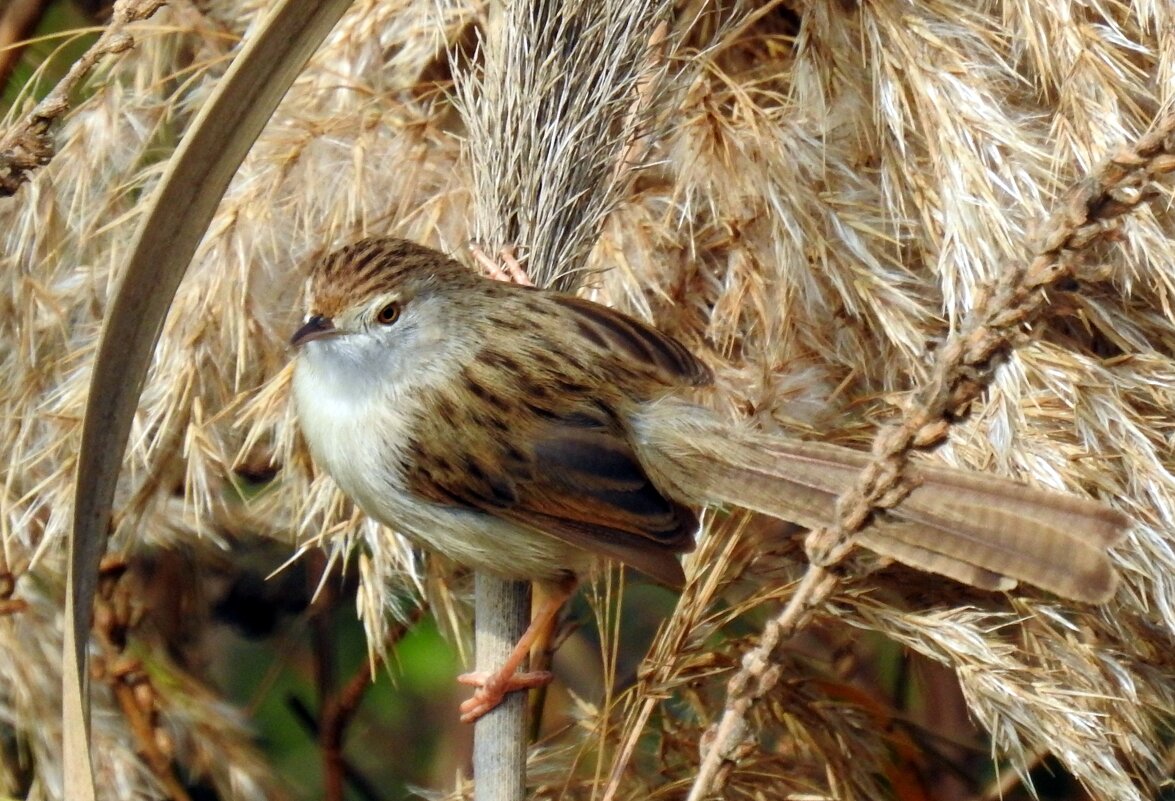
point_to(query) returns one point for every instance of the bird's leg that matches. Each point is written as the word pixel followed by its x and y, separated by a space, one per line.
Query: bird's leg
pixel 509 270
pixel 492 686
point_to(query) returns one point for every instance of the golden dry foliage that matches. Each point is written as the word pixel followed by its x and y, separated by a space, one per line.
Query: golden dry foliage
pixel 824 192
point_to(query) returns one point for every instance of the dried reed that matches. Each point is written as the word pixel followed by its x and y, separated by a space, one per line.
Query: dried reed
pixel 825 191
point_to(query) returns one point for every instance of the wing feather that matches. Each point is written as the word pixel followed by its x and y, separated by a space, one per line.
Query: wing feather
pixel 576 479
pixel 609 329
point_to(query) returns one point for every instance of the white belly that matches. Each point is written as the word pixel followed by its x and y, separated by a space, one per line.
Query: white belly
pixel 353 425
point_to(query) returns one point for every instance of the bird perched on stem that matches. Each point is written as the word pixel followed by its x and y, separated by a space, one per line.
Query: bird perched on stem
pixel 529 433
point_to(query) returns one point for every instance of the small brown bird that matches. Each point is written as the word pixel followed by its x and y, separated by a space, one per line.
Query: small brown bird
pixel 527 433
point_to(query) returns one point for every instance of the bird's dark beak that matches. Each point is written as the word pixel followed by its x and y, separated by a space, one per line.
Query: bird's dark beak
pixel 316 327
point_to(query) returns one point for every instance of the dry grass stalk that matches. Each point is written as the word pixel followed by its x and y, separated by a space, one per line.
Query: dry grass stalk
pixel 830 186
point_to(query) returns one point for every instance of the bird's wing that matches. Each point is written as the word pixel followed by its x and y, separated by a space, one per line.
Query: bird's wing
pixel 629 339
pixel 571 475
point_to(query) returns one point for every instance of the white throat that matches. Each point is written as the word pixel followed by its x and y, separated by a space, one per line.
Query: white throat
pixel 358 394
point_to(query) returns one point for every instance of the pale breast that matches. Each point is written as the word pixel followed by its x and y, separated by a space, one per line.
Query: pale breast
pixel 356 427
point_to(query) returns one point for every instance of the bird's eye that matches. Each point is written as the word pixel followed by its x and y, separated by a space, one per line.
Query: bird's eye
pixel 388 314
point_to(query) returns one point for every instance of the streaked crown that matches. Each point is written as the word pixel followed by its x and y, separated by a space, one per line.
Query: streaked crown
pixel 374 266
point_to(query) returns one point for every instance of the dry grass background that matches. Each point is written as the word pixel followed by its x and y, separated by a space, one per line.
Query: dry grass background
pixel 824 190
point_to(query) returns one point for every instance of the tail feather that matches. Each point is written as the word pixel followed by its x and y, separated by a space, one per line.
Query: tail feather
pixel 880 541
pixel 984 530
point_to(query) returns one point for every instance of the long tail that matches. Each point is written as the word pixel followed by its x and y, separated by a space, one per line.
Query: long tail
pixel 983 530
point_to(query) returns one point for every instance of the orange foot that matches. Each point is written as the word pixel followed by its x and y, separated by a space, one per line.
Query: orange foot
pixel 509 270
pixel 492 688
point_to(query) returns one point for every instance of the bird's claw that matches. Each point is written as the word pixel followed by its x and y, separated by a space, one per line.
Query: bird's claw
pixel 509 270
pixel 492 687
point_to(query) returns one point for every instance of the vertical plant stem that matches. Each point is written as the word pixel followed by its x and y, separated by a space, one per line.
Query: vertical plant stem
pixel 210 153
pixel 552 117
pixel 499 737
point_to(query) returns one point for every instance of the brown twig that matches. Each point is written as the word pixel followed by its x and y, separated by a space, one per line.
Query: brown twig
pixel 27 145
pixel 339 708
pixel 115 615
pixel 8 604
pixel 323 650
pixel 963 368
pixel 17 21
pixel 362 786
